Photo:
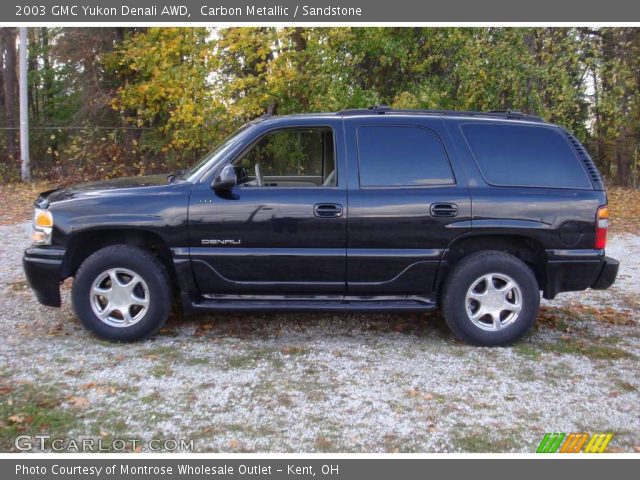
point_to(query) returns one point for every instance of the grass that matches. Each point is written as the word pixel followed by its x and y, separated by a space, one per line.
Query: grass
pixel 159 371
pixel 250 358
pixel 526 374
pixel 488 441
pixel 163 352
pixel 27 410
pixel 479 443
pixel 196 361
pixel 625 387
pixel 574 338
pixel 526 349
pixel 575 346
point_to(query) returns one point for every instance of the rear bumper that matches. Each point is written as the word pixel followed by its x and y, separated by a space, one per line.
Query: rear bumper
pixel 575 270
pixel 607 275
pixel 43 269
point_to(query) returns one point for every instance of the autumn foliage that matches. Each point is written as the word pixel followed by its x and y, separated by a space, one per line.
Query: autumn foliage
pixel 114 101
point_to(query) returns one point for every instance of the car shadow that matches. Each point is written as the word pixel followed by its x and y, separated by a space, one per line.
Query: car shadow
pixel 263 325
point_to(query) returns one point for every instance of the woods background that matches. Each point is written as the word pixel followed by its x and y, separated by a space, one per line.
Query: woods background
pixel 107 102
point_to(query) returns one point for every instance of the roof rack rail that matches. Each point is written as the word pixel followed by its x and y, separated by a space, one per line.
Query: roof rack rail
pixel 383 109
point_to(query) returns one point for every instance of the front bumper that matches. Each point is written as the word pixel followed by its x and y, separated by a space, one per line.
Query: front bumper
pixel 575 270
pixel 43 269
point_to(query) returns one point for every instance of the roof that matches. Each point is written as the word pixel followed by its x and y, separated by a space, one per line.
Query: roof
pixel 385 110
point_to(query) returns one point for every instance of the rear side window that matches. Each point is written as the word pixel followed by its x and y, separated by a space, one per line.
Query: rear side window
pixel 397 156
pixel 525 156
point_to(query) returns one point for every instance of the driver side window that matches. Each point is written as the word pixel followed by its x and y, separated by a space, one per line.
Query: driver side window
pixel 291 157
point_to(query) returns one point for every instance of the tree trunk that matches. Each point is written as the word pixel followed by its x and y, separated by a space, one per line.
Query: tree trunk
pixel 10 90
pixel 606 145
pixel 48 98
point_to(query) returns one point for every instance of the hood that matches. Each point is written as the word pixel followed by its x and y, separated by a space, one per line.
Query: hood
pixel 118 186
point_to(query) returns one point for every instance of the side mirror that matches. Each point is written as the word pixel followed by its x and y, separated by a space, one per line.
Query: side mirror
pixel 226 179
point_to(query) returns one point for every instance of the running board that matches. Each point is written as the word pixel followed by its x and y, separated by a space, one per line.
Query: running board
pixel 308 303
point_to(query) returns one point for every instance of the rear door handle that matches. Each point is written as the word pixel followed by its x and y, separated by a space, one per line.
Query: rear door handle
pixel 327 210
pixel 443 210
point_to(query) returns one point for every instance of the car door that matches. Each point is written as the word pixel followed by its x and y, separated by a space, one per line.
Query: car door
pixel 282 230
pixel 407 202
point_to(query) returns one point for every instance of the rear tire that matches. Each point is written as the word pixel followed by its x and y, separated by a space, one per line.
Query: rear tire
pixel 121 293
pixel 490 299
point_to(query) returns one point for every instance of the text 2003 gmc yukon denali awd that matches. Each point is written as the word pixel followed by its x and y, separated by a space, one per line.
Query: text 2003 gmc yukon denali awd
pixel 367 210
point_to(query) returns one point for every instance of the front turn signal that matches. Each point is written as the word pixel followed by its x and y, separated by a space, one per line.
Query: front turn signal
pixel 43 219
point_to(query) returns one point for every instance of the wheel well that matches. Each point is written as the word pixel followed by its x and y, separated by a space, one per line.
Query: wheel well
pixel 526 249
pixel 85 243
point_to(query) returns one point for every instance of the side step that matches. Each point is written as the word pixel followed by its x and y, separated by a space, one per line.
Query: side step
pixel 310 303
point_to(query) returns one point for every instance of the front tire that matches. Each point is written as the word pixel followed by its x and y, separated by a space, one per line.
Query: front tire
pixel 490 299
pixel 121 293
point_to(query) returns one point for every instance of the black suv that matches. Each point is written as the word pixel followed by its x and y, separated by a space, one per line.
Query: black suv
pixel 360 210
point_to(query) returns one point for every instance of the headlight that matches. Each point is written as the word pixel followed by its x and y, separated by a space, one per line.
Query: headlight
pixel 42 227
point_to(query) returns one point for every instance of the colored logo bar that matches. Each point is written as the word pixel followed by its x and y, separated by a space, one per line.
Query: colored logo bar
pixel 574 443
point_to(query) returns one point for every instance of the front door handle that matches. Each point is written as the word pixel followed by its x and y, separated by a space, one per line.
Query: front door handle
pixel 443 210
pixel 327 210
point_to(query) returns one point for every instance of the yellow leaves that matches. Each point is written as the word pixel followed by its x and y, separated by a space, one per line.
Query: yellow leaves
pixel 172 88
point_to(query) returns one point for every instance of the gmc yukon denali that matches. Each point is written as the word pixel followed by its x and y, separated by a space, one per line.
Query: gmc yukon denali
pixel 360 210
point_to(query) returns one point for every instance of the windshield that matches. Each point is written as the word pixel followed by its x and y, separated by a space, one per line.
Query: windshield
pixel 214 156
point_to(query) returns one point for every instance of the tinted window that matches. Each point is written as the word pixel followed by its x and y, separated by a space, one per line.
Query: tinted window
pixel 525 156
pixel 300 157
pixel 401 156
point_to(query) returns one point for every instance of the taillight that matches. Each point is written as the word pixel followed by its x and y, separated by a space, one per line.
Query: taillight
pixel 602 224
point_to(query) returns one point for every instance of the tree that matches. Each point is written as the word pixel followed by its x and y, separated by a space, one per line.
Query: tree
pixel 10 89
pixel 166 87
pixel 115 101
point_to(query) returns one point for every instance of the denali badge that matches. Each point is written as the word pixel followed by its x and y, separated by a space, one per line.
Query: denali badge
pixel 215 241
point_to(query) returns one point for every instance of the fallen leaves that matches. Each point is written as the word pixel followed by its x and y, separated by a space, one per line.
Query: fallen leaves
pixel 402 327
pixel 292 350
pixel 203 328
pixel 17 200
pixel 79 402
pixel 417 393
pixel 17 418
pixel 99 388
pixel 556 318
pixel 624 206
